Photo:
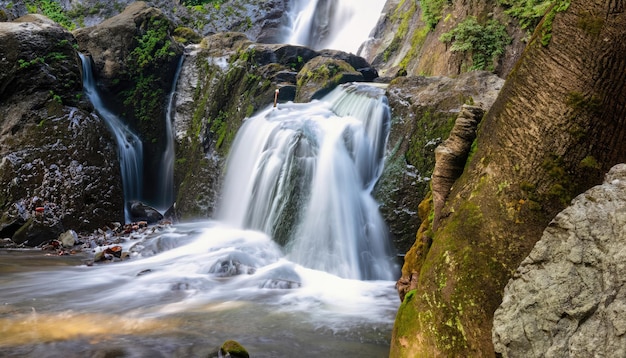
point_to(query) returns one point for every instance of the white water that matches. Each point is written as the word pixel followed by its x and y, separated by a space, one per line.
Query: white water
pixel 166 175
pixel 130 149
pixel 311 167
pixel 334 24
pixel 193 285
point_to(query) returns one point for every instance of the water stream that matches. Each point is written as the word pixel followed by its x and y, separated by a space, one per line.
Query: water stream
pixel 339 25
pixel 166 175
pixel 130 148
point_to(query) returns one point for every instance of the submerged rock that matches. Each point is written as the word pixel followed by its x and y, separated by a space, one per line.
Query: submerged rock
pixel 568 297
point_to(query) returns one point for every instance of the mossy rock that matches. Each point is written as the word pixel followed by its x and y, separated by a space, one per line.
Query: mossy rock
pixel 231 349
pixel 321 75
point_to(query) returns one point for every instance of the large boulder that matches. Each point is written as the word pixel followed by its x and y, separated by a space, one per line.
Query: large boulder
pixel 554 131
pixel 58 166
pixel 568 297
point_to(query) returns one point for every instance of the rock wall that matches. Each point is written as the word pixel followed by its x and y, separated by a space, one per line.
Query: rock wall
pixel 423 113
pixel 567 298
pixel 59 167
pixel 557 126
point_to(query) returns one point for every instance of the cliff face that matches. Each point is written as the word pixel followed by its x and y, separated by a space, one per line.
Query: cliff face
pixel 557 126
pixel 407 38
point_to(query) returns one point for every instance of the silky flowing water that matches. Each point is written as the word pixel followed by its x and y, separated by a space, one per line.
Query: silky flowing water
pixel 297 263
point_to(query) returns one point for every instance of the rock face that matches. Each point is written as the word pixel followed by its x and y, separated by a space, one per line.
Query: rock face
pixel 567 298
pixel 407 38
pixel 59 167
pixel 424 110
pixel 556 128
pixel 451 156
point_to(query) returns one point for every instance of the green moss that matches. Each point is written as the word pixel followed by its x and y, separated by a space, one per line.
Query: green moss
pixel 546 27
pixel 582 102
pixel 234 349
pixel 562 185
pixel 404 16
pixel 589 162
pixel 145 94
pixel 590 23
pixel 186 35
pixel 417 41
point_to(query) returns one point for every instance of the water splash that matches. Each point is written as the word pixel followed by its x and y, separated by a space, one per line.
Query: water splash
pixel 303 174
pixel 129 146
pixel 339 25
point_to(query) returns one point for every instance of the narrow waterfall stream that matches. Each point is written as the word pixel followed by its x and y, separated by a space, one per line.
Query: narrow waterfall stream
pixel 166 175
pixel 130 148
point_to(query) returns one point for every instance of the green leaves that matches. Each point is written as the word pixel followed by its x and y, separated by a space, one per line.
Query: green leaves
pixel 485 43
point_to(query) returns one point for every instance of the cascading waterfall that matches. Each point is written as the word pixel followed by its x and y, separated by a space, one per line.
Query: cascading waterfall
pixel 321 24
pixel 303 174
pixel 300 250
pixel 166 176
pixel 130 150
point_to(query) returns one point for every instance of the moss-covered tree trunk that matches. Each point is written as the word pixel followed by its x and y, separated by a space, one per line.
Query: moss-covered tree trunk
pixel 558 125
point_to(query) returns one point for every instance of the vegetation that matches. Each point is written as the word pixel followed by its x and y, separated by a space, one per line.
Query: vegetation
pixel 485 43
pixel 215 3
pixel 51 9
pixel 432 11
pixel 152 47
pixel 530 12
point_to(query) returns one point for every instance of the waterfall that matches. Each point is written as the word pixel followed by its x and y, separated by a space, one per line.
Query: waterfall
pixel 303 174
pixel 129 146
pixel 340 24
pixel 166 175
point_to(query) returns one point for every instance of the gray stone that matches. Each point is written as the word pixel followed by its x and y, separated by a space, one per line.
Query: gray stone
pixel 68 238
pixel 568 297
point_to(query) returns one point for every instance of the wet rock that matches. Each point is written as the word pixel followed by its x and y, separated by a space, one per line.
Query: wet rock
pixel 321 75
pixel 68 238
pixel 567 298
pixel 36 232
pixel 231 349
pixel 234 264
pixel 142 212
pixel 57 159
pixel 9 225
